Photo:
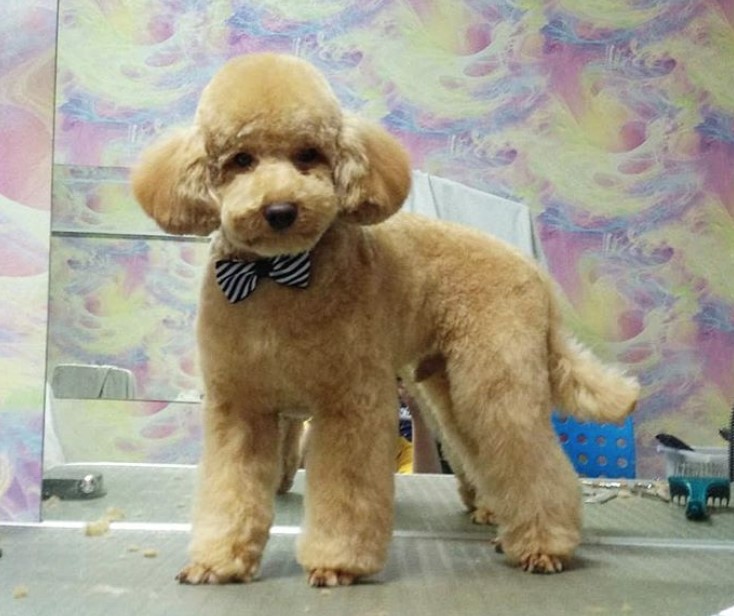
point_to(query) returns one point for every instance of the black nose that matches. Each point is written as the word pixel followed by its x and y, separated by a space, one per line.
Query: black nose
pixel 280 215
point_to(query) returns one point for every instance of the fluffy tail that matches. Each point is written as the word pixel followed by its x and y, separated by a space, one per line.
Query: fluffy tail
pixel 582 385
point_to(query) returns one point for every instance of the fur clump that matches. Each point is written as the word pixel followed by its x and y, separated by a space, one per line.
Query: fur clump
pixel 274 166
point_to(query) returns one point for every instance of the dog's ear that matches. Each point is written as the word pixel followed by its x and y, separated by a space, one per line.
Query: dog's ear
pixel 372 173
pixel 171 182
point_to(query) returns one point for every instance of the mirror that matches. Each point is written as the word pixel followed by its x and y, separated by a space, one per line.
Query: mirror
pixel 122 387
pixel 122 294
pixel 490 111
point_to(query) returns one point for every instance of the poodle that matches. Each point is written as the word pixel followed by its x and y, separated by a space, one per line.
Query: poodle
pixel 317 295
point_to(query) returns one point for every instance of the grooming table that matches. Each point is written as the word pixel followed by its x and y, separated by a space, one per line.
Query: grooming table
pixel 639 556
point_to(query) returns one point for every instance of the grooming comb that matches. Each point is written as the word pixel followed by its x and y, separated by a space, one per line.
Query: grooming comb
pixel 697 484
pixel 696 492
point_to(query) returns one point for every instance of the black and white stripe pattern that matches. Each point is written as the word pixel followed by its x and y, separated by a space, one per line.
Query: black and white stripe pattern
pixel 292 271
pixel 238 279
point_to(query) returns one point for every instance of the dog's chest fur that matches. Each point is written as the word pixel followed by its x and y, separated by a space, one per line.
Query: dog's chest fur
pixel 376 301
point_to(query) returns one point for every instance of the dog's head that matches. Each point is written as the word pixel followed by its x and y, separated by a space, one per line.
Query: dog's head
pixel 271 160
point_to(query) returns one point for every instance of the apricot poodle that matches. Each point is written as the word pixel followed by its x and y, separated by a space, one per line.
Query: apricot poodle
pixel 317 295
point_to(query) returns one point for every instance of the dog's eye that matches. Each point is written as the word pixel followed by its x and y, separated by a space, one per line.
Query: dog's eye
pixel 242 160
pixel 307 157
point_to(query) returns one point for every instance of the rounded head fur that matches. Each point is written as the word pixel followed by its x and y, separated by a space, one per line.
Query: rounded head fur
pixel 276 95
pixel 272 161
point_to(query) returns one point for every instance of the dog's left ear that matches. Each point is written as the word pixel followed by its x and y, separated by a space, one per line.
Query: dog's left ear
pixel 372 173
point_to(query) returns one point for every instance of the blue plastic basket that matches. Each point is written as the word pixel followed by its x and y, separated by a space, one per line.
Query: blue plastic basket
pixel 598 450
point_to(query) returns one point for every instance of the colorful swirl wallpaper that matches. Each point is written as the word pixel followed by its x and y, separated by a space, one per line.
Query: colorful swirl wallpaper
pixel 26 130
pixel 612 121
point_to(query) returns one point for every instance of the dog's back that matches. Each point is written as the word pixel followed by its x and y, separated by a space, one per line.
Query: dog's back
pixel 463 275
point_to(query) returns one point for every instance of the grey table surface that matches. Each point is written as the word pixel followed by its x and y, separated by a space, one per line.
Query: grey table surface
pixel 639 556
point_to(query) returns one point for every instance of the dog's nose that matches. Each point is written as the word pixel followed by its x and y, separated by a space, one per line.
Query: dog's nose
pixel 280 215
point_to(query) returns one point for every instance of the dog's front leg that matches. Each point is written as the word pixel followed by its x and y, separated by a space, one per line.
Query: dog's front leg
pixel 349 495
pixel 233 512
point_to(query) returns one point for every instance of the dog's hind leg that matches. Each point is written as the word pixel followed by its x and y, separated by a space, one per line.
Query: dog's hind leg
pixel 432 394
pixel 498 422
pixel 478 504
pixel 291 431
pixel 350 465
pixel 238 474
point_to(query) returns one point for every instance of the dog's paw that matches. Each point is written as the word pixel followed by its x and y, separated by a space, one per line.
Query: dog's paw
pixel 467 493
pixel 482 515
pixel 199 573
pixel 330 577
pixel 541 563
pixel 286 483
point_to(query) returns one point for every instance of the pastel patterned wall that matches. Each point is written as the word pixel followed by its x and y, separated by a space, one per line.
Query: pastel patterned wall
pixel 613 121
pixel 27 51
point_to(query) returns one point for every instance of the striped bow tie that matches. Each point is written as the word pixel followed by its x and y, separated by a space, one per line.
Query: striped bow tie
pixel 238 279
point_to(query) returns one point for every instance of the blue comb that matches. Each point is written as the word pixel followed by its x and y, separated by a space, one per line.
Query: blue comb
pixel 696 492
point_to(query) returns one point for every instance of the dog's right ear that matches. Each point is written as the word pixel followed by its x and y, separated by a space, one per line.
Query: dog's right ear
pixel 171 183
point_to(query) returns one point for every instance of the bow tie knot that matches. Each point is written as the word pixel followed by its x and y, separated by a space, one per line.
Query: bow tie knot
pixel 238 279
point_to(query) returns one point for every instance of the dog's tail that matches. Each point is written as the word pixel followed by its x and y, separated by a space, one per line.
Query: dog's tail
pixel 582 385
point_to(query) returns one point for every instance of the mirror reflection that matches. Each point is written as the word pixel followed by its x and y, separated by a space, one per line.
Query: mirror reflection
pixel 122 317
pixel 122 295
pixel 123 387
